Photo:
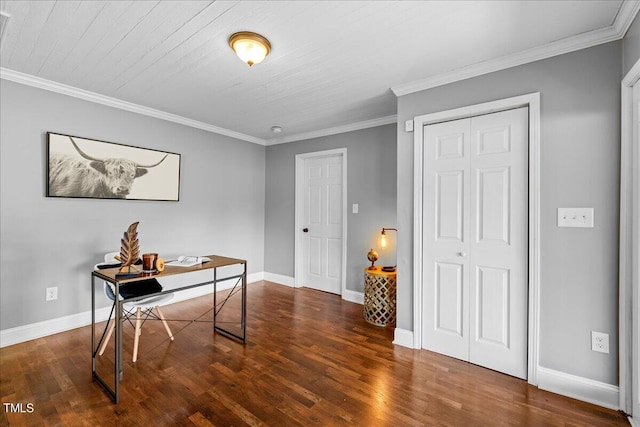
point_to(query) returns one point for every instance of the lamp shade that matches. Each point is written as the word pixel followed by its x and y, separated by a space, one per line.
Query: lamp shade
pixel 250 47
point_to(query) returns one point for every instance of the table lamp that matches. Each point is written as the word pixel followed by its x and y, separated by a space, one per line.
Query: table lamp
pixel 383 244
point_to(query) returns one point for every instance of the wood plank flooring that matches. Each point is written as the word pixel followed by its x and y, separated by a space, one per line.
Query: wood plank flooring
pixel 310 359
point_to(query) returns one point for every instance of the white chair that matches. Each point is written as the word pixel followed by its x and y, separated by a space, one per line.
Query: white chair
pixel 140 310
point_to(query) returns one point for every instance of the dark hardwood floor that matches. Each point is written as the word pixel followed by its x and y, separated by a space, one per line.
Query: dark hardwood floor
pixel 310 359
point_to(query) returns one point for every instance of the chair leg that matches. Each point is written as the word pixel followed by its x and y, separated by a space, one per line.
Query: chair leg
pixel 107 337
pixel 136 336
pixel 164 322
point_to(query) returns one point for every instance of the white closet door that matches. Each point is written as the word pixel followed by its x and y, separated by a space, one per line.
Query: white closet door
pixel 446 235
pixel 499 241
pixel 475 240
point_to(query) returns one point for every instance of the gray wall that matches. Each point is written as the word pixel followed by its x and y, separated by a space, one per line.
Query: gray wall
pixel 55 241
pixel 371 182
pixel 580 167
pixel 631 46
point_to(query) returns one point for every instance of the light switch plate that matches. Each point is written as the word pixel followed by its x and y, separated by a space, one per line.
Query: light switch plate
pixel 408 126
pixel 575 217
pixel 354 208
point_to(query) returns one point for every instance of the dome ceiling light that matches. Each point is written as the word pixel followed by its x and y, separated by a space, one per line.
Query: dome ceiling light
pixel 250 47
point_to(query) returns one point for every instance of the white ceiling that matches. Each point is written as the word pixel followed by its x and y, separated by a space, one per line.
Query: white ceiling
pixel 332 66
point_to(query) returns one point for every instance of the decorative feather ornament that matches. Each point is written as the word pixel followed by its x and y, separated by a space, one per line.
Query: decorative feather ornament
pixel 129 249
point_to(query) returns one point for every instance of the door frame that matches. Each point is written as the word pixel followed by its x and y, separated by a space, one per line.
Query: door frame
pixel 531 100
pixel 299 214
pixel 629 242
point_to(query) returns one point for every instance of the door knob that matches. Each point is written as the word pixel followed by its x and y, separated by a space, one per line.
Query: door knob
pixel 306 230
pixel 462 254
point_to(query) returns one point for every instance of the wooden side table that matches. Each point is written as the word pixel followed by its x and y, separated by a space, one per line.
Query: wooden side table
pixel 379 297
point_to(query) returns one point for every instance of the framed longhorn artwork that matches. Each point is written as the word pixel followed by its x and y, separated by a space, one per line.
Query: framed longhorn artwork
pixel 86 168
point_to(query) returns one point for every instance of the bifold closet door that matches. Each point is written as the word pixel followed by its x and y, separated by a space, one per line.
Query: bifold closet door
pixel 475 240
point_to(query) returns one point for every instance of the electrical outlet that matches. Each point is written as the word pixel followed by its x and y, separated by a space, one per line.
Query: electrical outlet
pixel 52 294
pixel 600 342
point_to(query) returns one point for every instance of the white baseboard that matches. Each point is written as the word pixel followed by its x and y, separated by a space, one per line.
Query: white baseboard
pixel 49 327
pixel 581 388
pixel 585 389
pixel 279 279
pixel 54 326
pixel 353 296
pixel 633 421
pixel 347 295
pixel 403 337
pixel 255 277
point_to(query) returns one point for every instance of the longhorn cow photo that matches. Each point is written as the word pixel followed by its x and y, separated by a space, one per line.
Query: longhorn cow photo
pixel 82 168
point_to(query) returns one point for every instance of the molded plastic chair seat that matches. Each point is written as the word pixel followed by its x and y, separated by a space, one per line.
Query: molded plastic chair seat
pixel 143 308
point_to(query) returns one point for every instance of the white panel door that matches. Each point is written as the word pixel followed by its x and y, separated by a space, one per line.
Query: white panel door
pixel 322 239
pixel 446 231
pixel 475 240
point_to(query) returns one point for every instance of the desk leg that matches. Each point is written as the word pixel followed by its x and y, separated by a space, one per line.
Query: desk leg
pixel 117 363
pixel 241 280
pixel 215 297
pixel 118 346
pixel 244 304
pixel 93 325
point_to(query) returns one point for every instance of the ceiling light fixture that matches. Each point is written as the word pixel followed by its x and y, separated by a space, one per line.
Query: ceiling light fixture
pixel 276 129
pixel 250 47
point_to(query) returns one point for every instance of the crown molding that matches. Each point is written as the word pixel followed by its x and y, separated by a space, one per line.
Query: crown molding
pixel 627 13
pixel 38 82
pixel 334 130
pixel 624 19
